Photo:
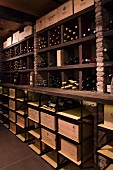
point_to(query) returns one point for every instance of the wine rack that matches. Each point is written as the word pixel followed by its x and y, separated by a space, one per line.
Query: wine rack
pixel 18 62
pixel 68 54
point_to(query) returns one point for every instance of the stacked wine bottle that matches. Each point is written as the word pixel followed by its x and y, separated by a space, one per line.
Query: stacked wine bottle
pixel 89 83
pixel 55 36
pixel 42 42
pixel 90 30
pixel 70 84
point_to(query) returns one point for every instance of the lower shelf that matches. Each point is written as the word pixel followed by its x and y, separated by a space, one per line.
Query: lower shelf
pixel 110 167
pixel 51 158
pixel 35 133
pixel 35 148
pixel 12 131
pixel 107 150
pixel 70 166
pixel 6 125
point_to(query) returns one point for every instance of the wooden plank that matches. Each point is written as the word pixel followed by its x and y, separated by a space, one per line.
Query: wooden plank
pixel 36 103
pixel 21 112
pixel 35 148
pixel 21 137
pixel 35 133
pixel 107 150
pixel 110 167
pixel 106 127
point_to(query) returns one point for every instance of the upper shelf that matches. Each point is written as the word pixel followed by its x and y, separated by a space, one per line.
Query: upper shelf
pixel 27 38
pixel 59 46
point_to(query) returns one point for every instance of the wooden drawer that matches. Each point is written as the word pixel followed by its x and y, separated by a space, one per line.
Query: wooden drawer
pixel 12 92
pixel 40 23
pixel 73 152
pixel 33 114
pixel 12 104
pixel 108 115
pixel 65 10
pixel 21 121
pixel 48 121
pixel 13 127
pixel 12 116
pixel 73 131
pixel 52 18
pixel 49 138
pixel 79 5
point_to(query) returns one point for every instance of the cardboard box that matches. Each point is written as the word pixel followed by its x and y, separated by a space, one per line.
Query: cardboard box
pixel 12 104
pixel 41 23
pixel 5 44
pixel 12 116
pixel 15 37
pixel 21 120
pixel 108 115
pixel 73 152
pixel 48 121
pixel 33 114
pixel 65 10
pixel 28 30
pixel 49 138
pixel 12 92
pixel 21 35
pixel 79 5
pixel 13 127
pixel 52 18
pixel 9 41
pixel 73 131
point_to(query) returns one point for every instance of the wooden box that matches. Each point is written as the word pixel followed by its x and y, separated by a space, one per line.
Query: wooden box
pixel 49 138
pixel 65 10
pixel 59 57
pixel 73 152
pixel 73 131
pixel 21 35
pixel 12 116
pixel 20 120
pixel 9 41
pixel 12 104
pixel 79 5
pixel 13 127
pixel 40 23
pixel 15 37
pixel 5 44
pixel 52 18
pixel 48 121
pixel 12 92
pixel 28 30
pixel 108 115
pixel 33 114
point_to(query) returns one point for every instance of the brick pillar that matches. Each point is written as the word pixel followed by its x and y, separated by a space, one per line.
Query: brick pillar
pixel 35 55
pixel 99 46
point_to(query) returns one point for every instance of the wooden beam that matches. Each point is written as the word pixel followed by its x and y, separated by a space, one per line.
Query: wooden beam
pixel 16 16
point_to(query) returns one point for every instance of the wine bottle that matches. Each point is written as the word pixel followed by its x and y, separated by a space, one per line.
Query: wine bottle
pixel 109 78
pixel 16 78
pixel 110 25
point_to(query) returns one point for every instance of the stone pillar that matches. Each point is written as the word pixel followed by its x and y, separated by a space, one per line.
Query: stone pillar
pixel 99 47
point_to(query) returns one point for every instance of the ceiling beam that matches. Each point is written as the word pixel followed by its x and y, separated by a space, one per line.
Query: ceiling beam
pixel 16 16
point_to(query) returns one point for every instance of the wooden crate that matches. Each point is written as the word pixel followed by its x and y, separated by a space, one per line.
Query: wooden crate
pixel 52 18
pixel 48 121
pixel 21 35
pixel 12 115
pixel 12 104
pixel 20 120
pixel 13 127
pixel 12 92
pixel 40 23
pixel 4 44
pixel 73 152
pixel 73 131
pixel 108 115
pixel 9 41
pixel 65 10
pixel 79 5
pixel 49 138
pixel 15 37
pixel 28 30
pixel 33 114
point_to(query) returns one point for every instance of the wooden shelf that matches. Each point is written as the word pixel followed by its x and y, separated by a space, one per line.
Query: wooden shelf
pixel 12 97
pixel 108 33
pixel 107 150
pixel 105 127
pixel 46 108
pixel 21 112
pixel 70 166
pixel 110 167
pixel 5 95
pixel 1 121
pixel 35 133
pixel 48 144
pixel 18 57
pixel 76 162
pixel 6 105
pixel 20 99
pixel 59 46
pixel 6 115
pixel 36 103
pixel 70 67
pixel 35 148
pixel 21 137
pixel 25 39
pixel 51 158
pixel 20 125
pixel 6 125
pixel 33 120
pixel 12 120
pixel 108 64
pixel 12 131
pixel 20 71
